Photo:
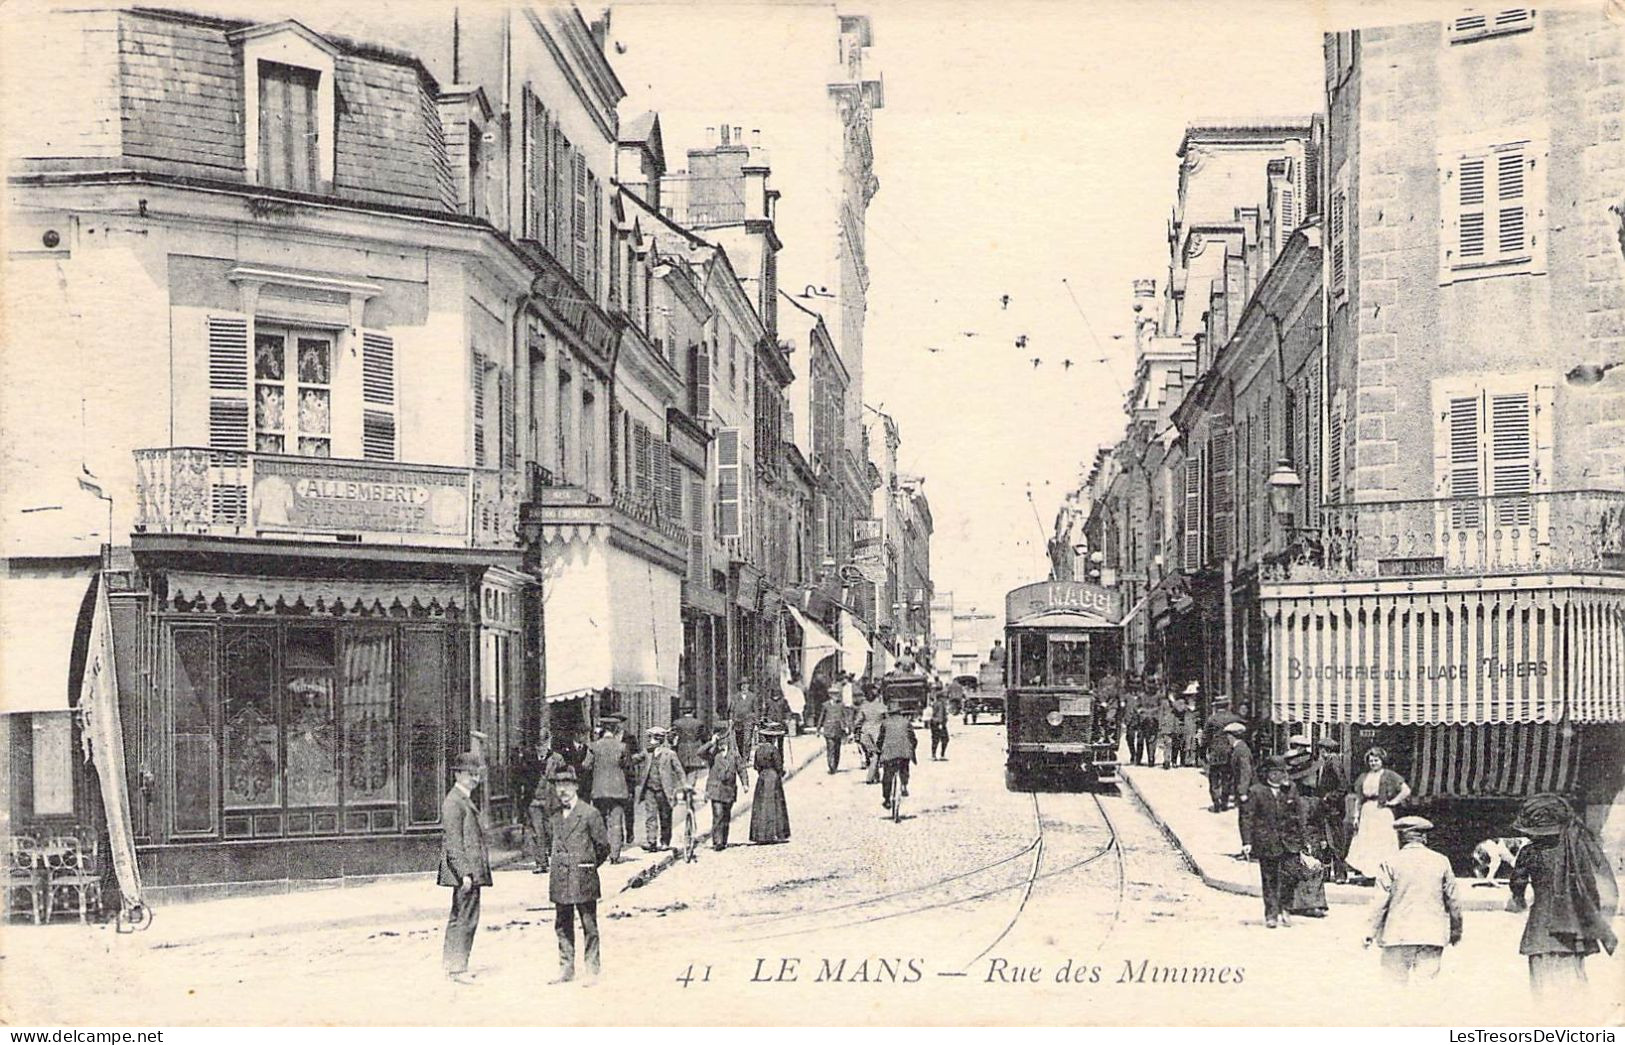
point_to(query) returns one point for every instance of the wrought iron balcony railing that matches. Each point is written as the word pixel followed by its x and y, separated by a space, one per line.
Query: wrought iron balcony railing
pixel 1521 533
pixel 223 493
pixel 647 510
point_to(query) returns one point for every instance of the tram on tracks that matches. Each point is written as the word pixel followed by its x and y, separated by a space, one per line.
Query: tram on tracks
pixel 1062 638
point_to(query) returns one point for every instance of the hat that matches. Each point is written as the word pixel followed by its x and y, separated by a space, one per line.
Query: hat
pixel 1413 823
pixel 1543 815
pixel 1328 744
pixel 771 729
pixel 611 719
pixel 467 762
pixel 657 731
pixel 1236 728
pixel 563 773
pixel 1275 763
pixel 1301 741
pixel 1193 687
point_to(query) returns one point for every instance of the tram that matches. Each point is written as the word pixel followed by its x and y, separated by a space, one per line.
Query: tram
pixel 1062 639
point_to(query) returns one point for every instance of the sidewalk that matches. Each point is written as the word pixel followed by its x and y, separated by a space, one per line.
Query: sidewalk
pixel 1177 802
pixel 397 902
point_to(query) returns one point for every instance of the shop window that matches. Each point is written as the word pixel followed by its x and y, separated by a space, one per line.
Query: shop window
pixel 192 696
pixel 425 679
pixel 252 755
pixel 53 763
pixel 293 393
pixel 308 685
pixel 369 718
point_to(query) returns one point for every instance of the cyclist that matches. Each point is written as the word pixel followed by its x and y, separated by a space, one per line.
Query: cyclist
pixel 897 749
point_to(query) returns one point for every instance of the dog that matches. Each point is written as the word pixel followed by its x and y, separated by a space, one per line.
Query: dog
pixel 1492 855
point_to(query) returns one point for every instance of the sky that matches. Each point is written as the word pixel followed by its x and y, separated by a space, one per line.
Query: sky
pixel 1025 149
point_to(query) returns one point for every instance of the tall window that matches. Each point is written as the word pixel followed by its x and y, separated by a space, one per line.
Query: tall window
pixel 1489 445
pixel 288 126
pixel 293 393
pixel 562 430
pixel 589 435
pixel 1493 199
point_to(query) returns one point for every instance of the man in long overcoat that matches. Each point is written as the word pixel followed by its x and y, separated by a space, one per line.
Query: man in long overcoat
pixel 544 804
pixel 833 729
pixel 728 774
pixel 580 846
pixel 660 787
pixel 605 766
pixel 1275 836
pixel 465 864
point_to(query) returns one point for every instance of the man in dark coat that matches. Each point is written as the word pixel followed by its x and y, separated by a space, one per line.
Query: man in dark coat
pixel 937 718
pixel 1143 728
pixel 818 699
pixel 605 766
pixel 728 774
pixel 1324 790
pixel 660 788
pixel 1220 782
pixel 544 804
pixel 1171 725
pixel 1275 836
pixel 465 864
pixel 833 729
pixel 898 747
pixel 689 735
pixel 742 712
pixel 1242 777
pixel 580 846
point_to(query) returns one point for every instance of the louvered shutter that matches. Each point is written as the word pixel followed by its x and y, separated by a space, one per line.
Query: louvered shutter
pixel 527 163
pixel 228 383
pixel 729 491
pixel 1334 450
pixel 1311 455
pixel 561 197
pixel 1339 237
pixel 378 412
pixel 1463 429
pixel 1511 457
pixel 1193 515
pixel 1511 222
pixel 700 384
pixel 579 216
pixel 596 234
pixel 643 465
pixel 509 425
pixel 1224 502
pixel 1470 210
pixel 476 384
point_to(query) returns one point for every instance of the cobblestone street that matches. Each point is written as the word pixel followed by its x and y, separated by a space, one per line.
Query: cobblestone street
pixel 856 919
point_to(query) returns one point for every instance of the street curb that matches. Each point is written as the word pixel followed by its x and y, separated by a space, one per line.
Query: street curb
pixel 1335 894
pixel 661 866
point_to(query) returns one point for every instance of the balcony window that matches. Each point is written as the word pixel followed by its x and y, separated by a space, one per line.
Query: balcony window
pixel 293 393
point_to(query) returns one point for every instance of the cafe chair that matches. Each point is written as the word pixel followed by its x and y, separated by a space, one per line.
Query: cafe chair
pixel 23 876
pixel 75 874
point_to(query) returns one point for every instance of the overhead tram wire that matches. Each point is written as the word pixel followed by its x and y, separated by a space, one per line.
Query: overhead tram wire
pixel 1092 336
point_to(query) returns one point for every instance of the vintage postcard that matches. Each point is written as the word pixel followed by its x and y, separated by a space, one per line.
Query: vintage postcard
pixel 798 512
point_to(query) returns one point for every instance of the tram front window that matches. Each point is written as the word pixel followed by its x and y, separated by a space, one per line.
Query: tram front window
pixel 1030 666
pixel 1069 661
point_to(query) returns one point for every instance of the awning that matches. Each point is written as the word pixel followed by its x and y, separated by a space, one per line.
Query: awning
pixel 647 615
pixel 103 737
pixel 1494 761
pixel 1468 653
pixel 576 619
pixel 854 646
pixel 40 610
pixel 817 645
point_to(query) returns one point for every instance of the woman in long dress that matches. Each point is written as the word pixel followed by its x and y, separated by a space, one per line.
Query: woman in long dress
pixel 769 816
pixel 1379 789
pixel 1308 887
pixel 1576 896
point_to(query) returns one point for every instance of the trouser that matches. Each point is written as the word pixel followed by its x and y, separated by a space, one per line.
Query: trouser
pixel 742 737
pixel 461 924
pixel 939 739
pixel 832 752
pixel 1327 830
pixel 541 824
pixel 1404 962
pixel 564 925
pixel 656 820
pixel 1557 975
pixel 613 810
pixel 1221 784
pixel 894 768
pixel 721 819
pixel 871 758
pixel 1173 752
pixel 1273 876
pixel 1135 744
pixel 629 809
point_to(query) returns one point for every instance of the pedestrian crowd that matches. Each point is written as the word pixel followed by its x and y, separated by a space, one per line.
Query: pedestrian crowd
pixel 1304 823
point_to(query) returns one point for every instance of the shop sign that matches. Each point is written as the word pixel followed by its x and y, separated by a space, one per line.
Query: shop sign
pixel 355 497
pixel 1488 668
pixel 1062 596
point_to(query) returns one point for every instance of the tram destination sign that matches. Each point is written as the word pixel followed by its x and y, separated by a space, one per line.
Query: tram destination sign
pixel 1062 597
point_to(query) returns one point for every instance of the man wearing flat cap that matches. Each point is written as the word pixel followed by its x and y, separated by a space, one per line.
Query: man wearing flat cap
pixel 580 846
pixel 465 864
pixel 1324 792
pixel 660 789
pixel 1417 909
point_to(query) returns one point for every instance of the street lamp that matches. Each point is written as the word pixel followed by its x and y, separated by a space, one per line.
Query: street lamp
pixel 1284 485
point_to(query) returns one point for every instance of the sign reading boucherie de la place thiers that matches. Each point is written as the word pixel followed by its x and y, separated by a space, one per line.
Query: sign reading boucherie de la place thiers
pixel 345 497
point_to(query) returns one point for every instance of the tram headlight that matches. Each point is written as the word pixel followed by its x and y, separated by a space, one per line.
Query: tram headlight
pixel 1054 718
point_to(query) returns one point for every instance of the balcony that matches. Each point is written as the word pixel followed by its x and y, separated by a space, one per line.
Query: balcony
pixel 556 509
pixel 196 491
pixel 1558 531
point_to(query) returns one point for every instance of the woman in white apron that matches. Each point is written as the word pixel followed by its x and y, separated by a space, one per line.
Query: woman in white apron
pixel 1379 790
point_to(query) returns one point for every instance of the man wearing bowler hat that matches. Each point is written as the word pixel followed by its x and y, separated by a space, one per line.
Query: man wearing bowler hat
pixel 1274 834
pixel 1417 910
pixel 465 864
pixel 605 768
pixel 580 846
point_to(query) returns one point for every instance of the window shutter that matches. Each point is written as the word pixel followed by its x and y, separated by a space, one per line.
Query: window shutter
pixel 527 163
pixel 643 465
pixel 1511 457
pixel 378 435
pixel 700 384
pixel 1512 233
pixel 476 384
pixel 1339 237
pixel 228 382
pixel 509 421
pixel 378 430
pixel 1334 449
pixel 728 484
pixel 1463 429
pixel 1470 200
pixel 596 232
pixel 674 487
pixel 1224 502
pixel 1193 515
pixel 561 197
pixel 579 215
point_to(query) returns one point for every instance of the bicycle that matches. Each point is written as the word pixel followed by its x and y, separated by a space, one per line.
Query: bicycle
pixel 895 797
pixel 691 838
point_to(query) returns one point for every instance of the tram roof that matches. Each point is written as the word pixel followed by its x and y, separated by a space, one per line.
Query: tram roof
pixel 1064 619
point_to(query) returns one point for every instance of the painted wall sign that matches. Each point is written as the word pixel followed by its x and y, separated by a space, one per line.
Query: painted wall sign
pixel 355 497
pixel 1062 596
pixel 1488 667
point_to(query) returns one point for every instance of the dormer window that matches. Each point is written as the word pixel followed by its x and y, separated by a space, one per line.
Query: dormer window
pixel 288 107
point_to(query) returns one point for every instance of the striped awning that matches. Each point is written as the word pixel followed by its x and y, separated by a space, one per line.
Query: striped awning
pixel 1494 761
pixel 1476 651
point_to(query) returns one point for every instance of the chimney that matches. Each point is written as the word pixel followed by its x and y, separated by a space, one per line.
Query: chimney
pixel 710 137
